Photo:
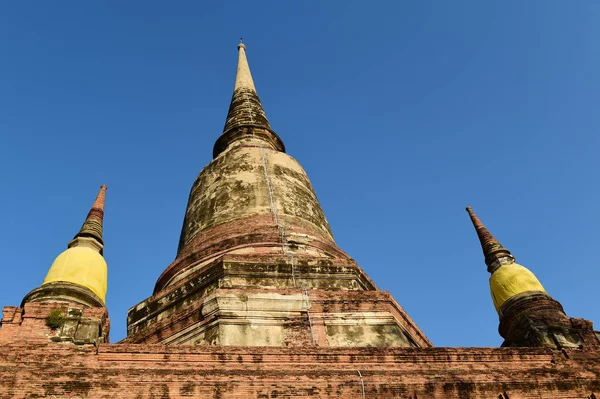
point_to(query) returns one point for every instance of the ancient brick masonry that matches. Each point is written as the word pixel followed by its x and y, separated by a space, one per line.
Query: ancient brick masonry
pixel 28 326
pixel 260 302
pixel 159 371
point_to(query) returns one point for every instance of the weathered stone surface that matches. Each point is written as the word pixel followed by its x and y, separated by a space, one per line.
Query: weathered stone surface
pixel 335 319
pixel 63 291
pixel 235 203
pixel 365 329
pixel 264 272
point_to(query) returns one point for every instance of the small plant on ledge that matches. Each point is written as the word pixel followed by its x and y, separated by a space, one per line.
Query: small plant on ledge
pixel 55 319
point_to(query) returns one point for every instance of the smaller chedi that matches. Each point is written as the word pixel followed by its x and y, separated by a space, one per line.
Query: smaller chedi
pixel 528 315
pixel 79 274
pixel 69 306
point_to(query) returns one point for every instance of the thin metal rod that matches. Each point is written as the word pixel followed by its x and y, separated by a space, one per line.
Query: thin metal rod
pixel 312 334
pixel 362 383
pixel 272 204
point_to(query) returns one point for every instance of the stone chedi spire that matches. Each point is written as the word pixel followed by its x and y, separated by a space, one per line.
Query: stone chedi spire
pixel 257 264
pixel 79 274
pixel 495 254
pixel 246 120
pixel 528 315
pixel 92 227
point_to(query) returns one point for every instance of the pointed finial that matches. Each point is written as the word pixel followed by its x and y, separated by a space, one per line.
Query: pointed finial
pixel 246 118
pixel 495 254
pixel 92 227
pixel 243 77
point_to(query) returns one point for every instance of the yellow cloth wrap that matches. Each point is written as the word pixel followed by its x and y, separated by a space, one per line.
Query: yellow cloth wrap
pixel 82 266
pixel 511 280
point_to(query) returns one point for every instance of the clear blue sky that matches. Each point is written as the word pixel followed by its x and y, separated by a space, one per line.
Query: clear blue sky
pixel 402 113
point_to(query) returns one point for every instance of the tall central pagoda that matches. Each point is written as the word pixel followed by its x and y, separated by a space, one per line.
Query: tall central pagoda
pixel 257 264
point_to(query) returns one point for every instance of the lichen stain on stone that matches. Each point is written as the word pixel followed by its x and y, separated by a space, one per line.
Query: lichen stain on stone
pixel 187 389
pixel 367 335
pixel 235 186
pixel 160 391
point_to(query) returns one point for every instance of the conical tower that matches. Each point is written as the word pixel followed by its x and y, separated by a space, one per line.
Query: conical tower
pixel 79 274
pixel 252 195
pixel 257 263
pixel 528 315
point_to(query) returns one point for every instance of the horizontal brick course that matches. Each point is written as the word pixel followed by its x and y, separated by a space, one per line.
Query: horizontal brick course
pixel 52 370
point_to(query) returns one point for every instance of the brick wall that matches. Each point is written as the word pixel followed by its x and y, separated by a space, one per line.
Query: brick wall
pixel 55 370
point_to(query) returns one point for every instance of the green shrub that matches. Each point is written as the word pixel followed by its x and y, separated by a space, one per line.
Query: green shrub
pixel 55 319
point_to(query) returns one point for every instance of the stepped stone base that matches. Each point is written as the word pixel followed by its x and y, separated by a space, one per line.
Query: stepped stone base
pixel 239 302
pixel 280 318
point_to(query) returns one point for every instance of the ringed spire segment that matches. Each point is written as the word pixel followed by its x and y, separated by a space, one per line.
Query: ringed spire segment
pixel 246 119
pixel 494 252
pixel 92 227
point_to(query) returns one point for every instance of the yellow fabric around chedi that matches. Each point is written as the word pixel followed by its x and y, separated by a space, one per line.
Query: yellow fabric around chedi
pixel 511 280
pixel 82 266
